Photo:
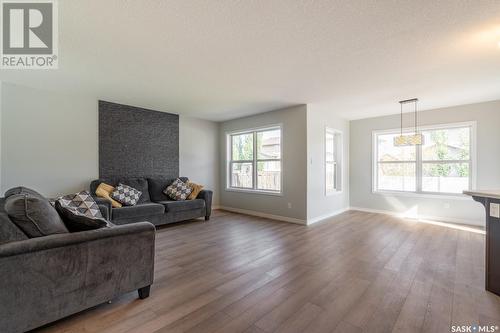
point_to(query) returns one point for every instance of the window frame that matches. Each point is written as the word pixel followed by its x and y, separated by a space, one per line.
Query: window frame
pixel 419 162
pixel 339 176
pixel 254 161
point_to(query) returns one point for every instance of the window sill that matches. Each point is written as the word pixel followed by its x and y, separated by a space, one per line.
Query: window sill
pixel 450 196
pixel 333 193
pixel 245 190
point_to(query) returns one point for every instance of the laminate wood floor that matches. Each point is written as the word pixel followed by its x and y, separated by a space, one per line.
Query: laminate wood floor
pixel 356 272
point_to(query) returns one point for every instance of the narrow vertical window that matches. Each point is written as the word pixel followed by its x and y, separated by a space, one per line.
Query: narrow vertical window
pixel 333 161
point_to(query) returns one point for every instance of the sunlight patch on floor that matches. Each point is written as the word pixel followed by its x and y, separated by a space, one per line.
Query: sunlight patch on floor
pixel 476 230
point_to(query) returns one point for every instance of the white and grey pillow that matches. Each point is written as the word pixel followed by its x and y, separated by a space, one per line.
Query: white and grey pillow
pixel 76 221
pixel 126 195
pixel 178 190
pixel 82 203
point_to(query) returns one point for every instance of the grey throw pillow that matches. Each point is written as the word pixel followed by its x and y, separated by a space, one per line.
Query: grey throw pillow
pixel 126 195
pixel 21 190
pixel 178 190
pixel 9 232
pixel 34 215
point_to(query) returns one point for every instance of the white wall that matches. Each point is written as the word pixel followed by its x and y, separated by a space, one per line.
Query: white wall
pixel 467 211
pixel 320 205
pixel 199 153
pixel 294 151
pixel 49 142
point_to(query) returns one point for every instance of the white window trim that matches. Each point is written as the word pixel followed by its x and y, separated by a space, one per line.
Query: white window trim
pixel 423 194
pixel 228 161
pixel 341 154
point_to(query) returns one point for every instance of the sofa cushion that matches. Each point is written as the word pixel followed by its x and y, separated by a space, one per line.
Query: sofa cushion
pixel 126 195
pixel 81 202
pixel 142 210
pixel 104 191
pixel 158 184
pixel 34 215
pixel 179 206
pixel 9 232
pixel 195 190
pixel 140 184
pixel 178 190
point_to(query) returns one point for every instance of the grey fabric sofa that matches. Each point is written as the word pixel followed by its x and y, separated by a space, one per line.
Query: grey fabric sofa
pixel 46 278
pixel 153 205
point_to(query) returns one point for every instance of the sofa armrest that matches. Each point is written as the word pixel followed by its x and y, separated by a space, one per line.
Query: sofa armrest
pixel 207 196
pixel 104 207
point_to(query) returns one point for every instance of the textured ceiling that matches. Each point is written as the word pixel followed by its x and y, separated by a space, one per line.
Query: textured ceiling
pixel 224 59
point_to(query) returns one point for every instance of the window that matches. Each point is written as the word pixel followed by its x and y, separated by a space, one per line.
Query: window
pixel 255 160
pixel 443 164
pixel 333 161
pixel 396 166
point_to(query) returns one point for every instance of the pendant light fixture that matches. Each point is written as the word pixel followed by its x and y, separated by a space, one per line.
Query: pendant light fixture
pixel 409 139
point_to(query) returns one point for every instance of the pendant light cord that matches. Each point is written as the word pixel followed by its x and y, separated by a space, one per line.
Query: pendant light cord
pixel 414 101
pixel 401 118
pixel 416 116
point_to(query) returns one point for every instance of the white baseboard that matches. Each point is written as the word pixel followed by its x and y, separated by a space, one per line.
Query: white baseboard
pixel 422 217
pixel 340 211
pixel 326 216
pixel 284 218
pixel 265 215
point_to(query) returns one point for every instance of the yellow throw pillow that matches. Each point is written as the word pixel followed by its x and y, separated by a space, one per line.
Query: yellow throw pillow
pixel 196 189
pixel 104 191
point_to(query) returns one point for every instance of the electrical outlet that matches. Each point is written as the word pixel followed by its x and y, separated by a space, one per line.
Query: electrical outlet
pixel 289 205
pixel 446 206
pixel 495 210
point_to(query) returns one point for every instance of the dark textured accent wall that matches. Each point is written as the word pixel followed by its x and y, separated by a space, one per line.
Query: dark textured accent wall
pixel 136 142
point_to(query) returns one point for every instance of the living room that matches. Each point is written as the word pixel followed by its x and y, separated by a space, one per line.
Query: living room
pixel 253 166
